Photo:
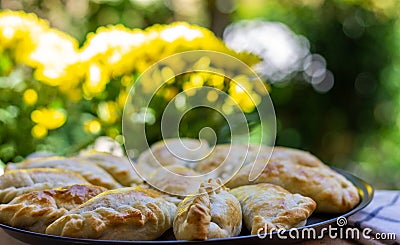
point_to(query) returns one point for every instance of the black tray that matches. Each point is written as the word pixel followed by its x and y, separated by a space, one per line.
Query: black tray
pixel 316 221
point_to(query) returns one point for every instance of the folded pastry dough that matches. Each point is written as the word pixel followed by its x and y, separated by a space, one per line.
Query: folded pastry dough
pixel 132 213
pixel 170 198
pixel 211 213
pixel 119 167
pixel 226 159
pixel 185 152
pixel 268 207
pixel 300 172
pixel 90 171
pixel 176 180
pixel 18 182
pixel 34 211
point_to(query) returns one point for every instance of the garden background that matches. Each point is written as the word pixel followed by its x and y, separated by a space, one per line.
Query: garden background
pixel 332 68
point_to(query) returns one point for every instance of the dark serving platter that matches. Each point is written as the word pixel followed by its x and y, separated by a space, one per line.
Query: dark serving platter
pixel 316 221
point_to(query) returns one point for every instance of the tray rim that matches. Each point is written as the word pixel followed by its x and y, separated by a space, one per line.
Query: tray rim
pixel 366 192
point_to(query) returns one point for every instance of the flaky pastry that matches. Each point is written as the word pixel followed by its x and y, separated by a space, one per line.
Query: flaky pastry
pixel 268 207
pixel 34 211
pixel 90 171
pixel 211 213
pixel 18 182
pixel 175 151
pixel 176 180
pixel 132 213
pixel 300 172
pixel 119 167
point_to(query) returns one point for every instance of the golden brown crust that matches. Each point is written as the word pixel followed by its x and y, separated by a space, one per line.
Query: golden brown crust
pixel 133 213
pixel 119 167
pixel 214 163
pixel 301 172
pixel 225 159
pixel 169 180
pixel 270 207
pixel 34 211
pixel 18 182
pixel 193 218
pixel 211 213
pixel 93 173
pixel 159 154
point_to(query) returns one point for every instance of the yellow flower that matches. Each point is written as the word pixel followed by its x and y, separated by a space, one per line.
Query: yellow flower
pixel 73 93
pixel 54 52
pixel 115 46
pixel 18 26
pixel 109 52
pixel 117 54
pixel 165 40
pixel 217 81
pixel 241 92
pixel 108 112
pixel 127 80
pixel 34 43
pixel 169 93
pixel 30 97
pixel 96 80
pixel 49 118
pixel 92 126
pixel 121 99
pixel 18 31
pixel 39 131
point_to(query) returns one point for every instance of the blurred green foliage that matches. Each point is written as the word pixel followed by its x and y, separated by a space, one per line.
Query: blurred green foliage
pixel 355 124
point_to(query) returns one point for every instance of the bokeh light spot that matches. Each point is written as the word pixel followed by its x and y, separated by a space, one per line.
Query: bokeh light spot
pixel 30 97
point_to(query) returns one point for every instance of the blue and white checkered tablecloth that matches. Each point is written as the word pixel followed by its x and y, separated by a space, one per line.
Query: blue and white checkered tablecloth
pixel 382 216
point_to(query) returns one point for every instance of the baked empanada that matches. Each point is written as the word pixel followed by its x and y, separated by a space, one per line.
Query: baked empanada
pixel 175 151
pixel 300 172
pixel 90 171
pixel 268 207
pixel 119 167
pixel 18 182
pixel 132 213
pixel 211 213
pixel 227 159
pixel 176 180
pixel 34 211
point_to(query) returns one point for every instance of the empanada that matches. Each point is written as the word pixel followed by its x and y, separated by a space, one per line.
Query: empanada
pixel 226 159
pixel 34 211
pixel 176 180
pixel 268 207
pixel 90 171
pixel 175 151
pixel 18 182
pixel 300 172
pixel 119 167
pixel 132 213
pixel 211 213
